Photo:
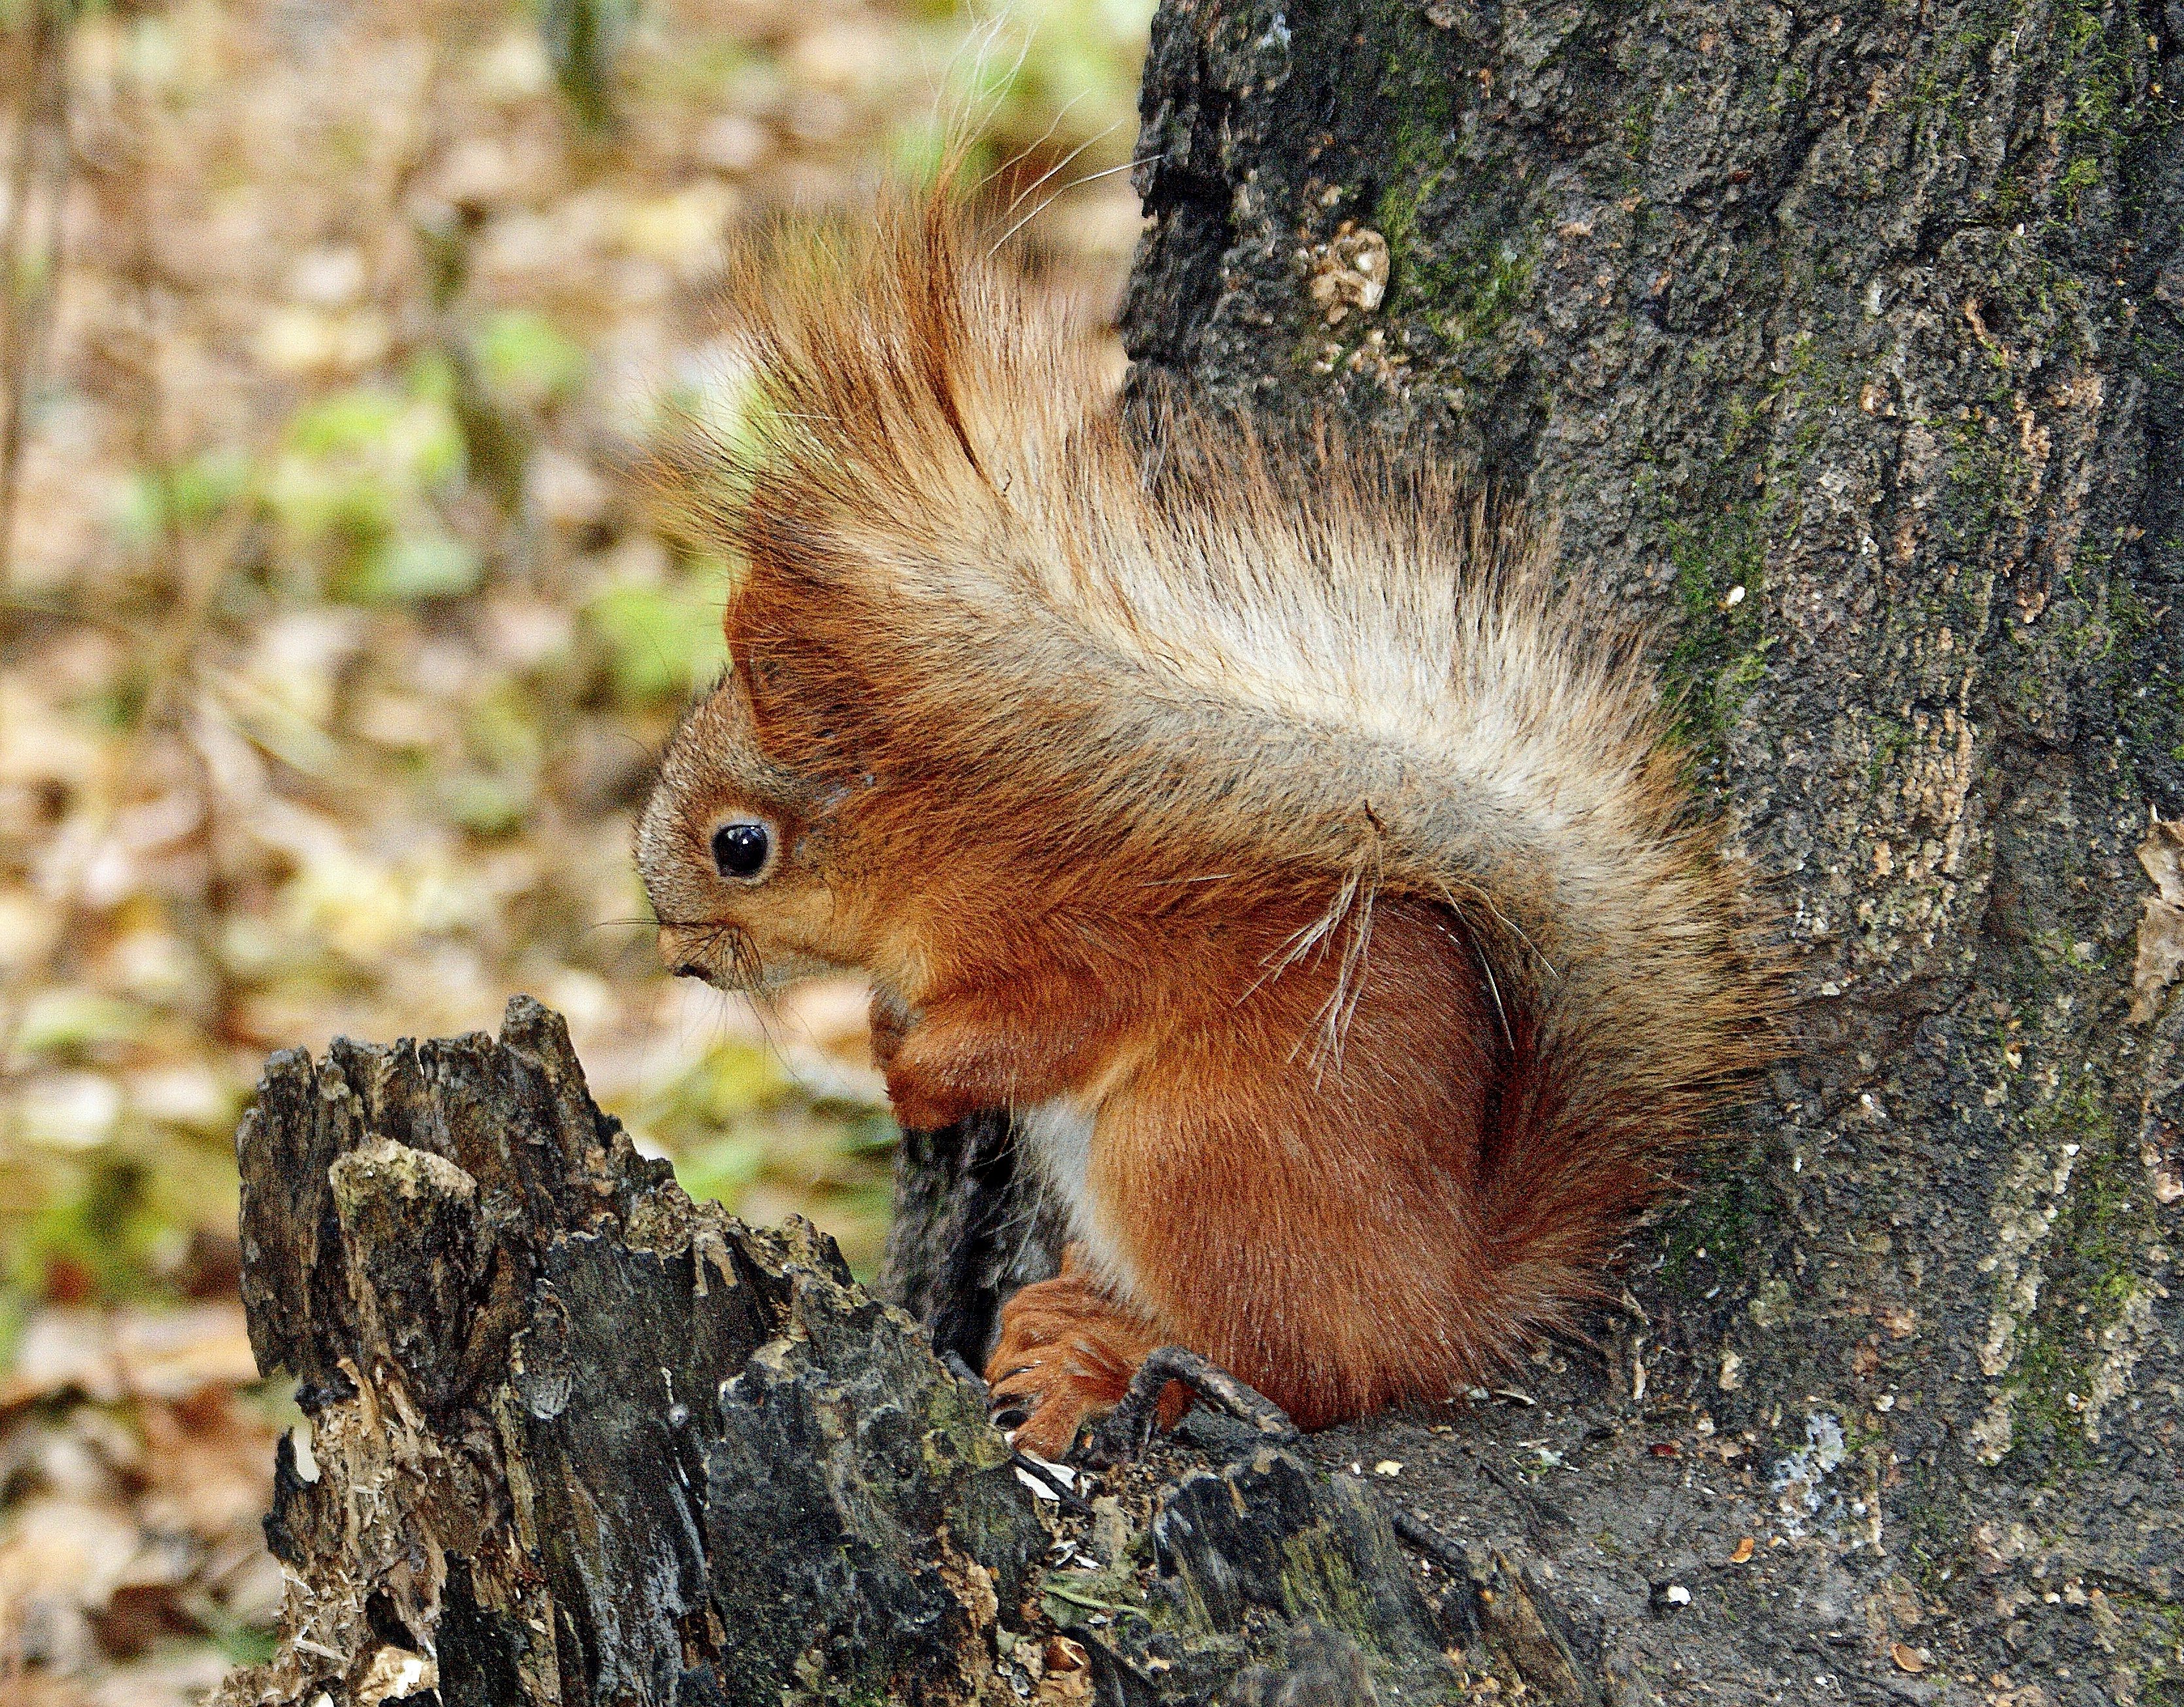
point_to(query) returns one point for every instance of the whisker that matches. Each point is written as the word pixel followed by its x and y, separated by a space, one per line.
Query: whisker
pixel 619 924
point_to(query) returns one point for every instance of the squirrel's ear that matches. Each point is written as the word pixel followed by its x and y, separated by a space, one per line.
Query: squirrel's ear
pixel 740 680
pixel 789 726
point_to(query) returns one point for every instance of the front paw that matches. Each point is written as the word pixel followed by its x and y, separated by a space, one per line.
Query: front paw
pixel 891 1021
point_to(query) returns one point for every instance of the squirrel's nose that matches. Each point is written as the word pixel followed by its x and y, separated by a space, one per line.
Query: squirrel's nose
pixel 676 948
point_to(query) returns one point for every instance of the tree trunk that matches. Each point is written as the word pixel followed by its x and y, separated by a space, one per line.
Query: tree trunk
pixel 1849 343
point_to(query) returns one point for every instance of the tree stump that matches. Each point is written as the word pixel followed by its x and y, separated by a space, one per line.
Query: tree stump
pixel 575 1438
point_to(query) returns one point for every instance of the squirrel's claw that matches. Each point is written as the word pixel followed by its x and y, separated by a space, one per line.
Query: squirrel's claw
pixel 1069 1354
pixel 1066 1353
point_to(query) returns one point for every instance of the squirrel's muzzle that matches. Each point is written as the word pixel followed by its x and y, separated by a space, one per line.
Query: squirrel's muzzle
pixel 719 952
pixel 682 954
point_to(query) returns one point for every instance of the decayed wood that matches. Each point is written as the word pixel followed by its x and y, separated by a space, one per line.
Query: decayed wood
pixel 577 1439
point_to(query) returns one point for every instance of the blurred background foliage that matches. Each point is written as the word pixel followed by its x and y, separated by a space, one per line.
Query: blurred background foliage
pixel 335 641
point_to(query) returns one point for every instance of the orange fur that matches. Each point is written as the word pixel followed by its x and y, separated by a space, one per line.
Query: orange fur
pixel 1312 880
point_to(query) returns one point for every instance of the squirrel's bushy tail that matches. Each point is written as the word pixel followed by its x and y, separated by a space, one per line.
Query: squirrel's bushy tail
pixel 1175 653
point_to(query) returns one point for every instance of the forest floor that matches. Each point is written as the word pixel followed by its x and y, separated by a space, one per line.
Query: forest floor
pixel 334 643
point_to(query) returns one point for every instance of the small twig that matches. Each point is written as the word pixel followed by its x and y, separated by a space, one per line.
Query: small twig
pixel 1049 1585
pixel 1124 1434
pixel 953 1360
pixel 1533 1504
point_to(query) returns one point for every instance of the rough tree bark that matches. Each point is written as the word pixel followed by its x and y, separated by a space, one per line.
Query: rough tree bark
pixel 1848 341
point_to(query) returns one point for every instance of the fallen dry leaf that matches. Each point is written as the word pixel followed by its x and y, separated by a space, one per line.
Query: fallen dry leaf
pixel 111 1355
pixel 1906 1658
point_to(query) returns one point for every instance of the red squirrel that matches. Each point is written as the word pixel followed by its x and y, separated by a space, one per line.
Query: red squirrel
pixel 1313 884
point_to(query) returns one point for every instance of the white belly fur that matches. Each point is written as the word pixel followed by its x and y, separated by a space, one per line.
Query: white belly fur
pixel 1057 1138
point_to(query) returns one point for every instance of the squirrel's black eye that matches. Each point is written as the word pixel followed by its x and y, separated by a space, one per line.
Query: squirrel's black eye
pixel 740 849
